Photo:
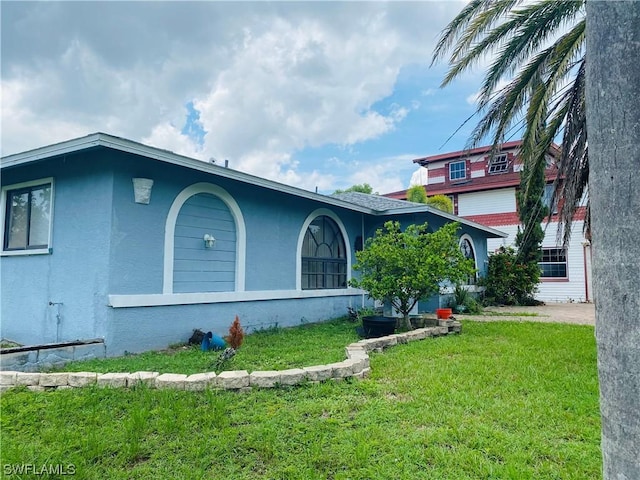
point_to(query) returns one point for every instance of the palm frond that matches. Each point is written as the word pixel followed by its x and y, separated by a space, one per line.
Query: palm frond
pixel 539 49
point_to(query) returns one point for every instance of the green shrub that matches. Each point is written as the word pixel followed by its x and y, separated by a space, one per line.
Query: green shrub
pixel 510 281
pixel 441 202
pixel 463 301
pixel 417 194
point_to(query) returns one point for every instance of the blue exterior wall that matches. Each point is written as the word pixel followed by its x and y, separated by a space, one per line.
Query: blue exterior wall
pixel 273 222
pixel 147 328
pixel 75 274
pixel 106 244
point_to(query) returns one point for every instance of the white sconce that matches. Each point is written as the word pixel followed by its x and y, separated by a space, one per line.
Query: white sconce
pixel 209 241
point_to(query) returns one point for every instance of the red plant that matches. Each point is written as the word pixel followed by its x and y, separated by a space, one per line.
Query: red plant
pixel 236 334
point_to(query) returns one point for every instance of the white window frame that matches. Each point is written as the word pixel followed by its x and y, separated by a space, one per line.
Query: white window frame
pixel 498 164
pixel 464 170
pixel 565 263
pixel 3 217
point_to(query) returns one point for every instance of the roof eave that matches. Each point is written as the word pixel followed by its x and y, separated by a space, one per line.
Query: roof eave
pixel 454 218
pixel 128 146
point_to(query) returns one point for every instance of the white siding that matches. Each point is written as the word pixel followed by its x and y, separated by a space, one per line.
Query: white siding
pixel 434 180
pixel 477 173
pixel 572 289
pixel 489 201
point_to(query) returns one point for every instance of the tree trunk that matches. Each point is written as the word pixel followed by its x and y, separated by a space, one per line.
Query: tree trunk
pixel 407 322
pixel 613 121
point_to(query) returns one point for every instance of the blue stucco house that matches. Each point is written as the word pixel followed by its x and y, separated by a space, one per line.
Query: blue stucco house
pixel 86 255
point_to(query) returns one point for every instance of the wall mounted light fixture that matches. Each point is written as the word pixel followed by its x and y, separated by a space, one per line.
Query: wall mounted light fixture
pixel 209 241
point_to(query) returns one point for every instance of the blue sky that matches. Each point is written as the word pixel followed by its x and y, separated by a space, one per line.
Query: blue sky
pixel 313 94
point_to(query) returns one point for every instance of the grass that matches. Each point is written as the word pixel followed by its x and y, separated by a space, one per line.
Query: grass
pixel 501 401
pixel 271 349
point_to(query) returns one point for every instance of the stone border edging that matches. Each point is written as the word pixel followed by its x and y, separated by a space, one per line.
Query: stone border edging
pixel 356 365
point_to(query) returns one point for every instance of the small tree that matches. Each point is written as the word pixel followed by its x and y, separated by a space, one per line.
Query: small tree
pixel 441 202
pixel 236 334
pixel 362 188
pixel 417 194
pixel 404 267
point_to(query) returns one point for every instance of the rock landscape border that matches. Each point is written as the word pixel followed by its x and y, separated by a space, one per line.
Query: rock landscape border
pixel 356 365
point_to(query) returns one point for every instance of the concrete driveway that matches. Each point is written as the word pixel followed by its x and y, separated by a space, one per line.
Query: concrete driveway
pixel 578 313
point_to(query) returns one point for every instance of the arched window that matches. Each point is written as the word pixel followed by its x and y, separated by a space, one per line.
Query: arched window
pixel 466 246
pixel 324 257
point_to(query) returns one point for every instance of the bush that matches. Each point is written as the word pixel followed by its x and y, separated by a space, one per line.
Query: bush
pixel 236 334
pixel 510 281
pixel 441 202
pixel 463 301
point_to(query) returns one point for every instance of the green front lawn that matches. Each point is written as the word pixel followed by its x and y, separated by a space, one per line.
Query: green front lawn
pixel 502 400
pixel 272 349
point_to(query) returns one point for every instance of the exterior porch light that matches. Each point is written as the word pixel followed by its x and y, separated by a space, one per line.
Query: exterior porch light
pixel 209 241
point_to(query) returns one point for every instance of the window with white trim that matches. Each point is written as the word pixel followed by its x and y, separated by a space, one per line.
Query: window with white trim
pixel 26 222
pixel 324 257
pixel 554 263
pixel 499 163
pixel 458 170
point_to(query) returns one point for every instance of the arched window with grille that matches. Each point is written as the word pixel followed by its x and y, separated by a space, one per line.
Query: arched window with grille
pixel 469 251
pixel 324 257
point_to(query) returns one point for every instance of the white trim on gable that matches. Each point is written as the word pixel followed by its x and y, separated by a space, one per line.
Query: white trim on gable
pixel 170 227
pixel 312 216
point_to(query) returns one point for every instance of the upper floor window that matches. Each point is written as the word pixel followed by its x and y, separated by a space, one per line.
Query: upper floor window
pixel 499 163
pixel 324 257
pixel 458 170
pixel 547 198
pixel 27 217
pixel 554 263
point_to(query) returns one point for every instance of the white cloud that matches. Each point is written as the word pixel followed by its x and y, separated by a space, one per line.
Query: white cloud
pixel 169 137
pixel 385 175
pixel 268 80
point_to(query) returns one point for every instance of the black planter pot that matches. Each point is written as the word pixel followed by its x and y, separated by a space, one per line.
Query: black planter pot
pixel 378 326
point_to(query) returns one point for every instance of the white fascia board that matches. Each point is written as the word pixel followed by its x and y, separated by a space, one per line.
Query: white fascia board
pixel 164 299
pixel 129 146
pixel 62 148
pixel 124 145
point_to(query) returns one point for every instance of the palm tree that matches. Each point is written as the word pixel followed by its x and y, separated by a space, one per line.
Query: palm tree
pixel 537 48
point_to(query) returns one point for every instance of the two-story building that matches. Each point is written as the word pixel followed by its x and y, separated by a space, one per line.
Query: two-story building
pixel 483 189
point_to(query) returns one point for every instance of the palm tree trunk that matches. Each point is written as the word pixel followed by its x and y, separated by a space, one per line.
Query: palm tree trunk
pixel 613 123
